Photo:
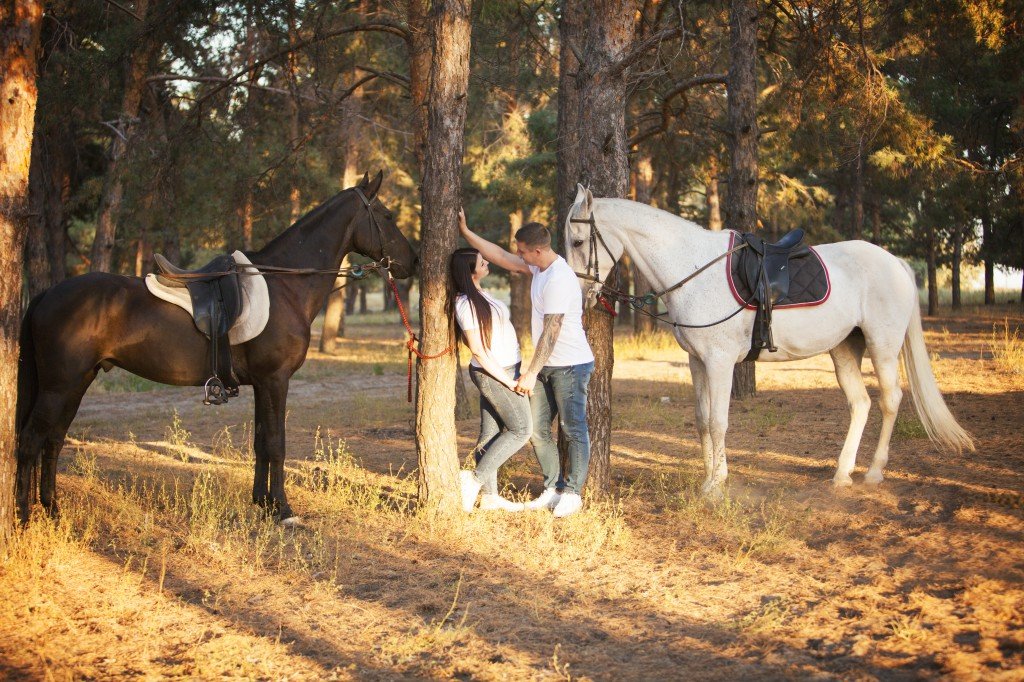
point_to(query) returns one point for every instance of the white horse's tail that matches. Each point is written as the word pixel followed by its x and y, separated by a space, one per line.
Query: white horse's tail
pixel 936 418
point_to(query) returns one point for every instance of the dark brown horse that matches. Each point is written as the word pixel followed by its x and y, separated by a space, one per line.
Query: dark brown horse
pixel 98 321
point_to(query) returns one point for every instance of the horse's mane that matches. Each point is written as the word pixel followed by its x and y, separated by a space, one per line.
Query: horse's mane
pixel 306 221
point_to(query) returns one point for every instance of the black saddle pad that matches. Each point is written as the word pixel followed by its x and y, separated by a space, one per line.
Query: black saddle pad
pixel 809 282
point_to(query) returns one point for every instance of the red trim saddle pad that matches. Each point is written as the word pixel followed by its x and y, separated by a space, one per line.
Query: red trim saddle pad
pixel 809 282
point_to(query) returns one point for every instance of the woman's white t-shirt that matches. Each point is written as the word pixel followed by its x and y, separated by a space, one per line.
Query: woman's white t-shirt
pixel 504 342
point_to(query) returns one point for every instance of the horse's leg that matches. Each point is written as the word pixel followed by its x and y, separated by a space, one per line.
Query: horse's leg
pixel 270 396
pixel 847 358
pixel 261 475
pixel 47 426
pixel 887 371
pixel 702 407
pixel 719 372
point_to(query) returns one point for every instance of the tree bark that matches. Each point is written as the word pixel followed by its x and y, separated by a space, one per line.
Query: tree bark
pixel 713 198
pixel 20 22
pixel 986 246
pixel 933 284
pixel 958 253
pixel 436 446
pixel 593 150
pixel 741 212
pixel 102 257
pixel 521 307
pixel 643 182
pixel 857 194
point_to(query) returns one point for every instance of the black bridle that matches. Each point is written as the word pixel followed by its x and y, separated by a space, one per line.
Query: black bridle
pixel 640 303
pixel 385 261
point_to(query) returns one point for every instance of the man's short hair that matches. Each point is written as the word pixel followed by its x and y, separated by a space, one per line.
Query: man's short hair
pixel 534 235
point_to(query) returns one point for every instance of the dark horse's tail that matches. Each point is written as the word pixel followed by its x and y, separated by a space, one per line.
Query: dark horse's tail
pixel 28 392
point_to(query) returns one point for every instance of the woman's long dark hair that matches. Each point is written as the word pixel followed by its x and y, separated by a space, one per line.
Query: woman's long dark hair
pixel 460 269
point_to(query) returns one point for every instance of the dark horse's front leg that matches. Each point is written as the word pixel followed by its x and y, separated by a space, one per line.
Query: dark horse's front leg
pixel 271 395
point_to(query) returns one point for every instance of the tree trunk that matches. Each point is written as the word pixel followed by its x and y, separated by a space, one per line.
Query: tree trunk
pixel 933 284
pixel 37 259
pixel 643 183
pixel 876 222
pixel 713 198
pixel 20 22
pixel 958 253
pixel 741 212
pixel 857 194
pixel 986 250
pixel 436 447
pixel 348 128
pixel 294 114
pixel 102 258
pixel 419 77
pixel 593 150
pixel 521 307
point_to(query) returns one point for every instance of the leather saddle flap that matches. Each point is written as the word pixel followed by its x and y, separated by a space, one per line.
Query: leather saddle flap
pixel 796 277
pixel 246 299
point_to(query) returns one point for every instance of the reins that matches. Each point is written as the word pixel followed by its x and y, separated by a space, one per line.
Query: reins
pixel 639 303
pixel 413 340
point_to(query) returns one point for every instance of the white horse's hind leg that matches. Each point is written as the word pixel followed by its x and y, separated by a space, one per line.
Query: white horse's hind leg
pixel 702 404
pixel 847 358
pixel 719 386
pixel 887 370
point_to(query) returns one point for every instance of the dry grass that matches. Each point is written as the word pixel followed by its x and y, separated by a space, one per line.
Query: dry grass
pixel 1008 348
pixel 160 566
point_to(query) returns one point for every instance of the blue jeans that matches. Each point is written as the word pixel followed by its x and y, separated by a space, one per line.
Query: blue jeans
pixel 505 425
pixel 562 391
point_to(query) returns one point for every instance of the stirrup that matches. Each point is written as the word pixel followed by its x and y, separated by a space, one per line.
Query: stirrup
pixel 216 393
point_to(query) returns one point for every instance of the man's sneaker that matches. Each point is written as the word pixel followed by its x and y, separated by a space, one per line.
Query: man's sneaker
pixel 547 500
pixel 470 487
pixel 497 502
pixel 570 503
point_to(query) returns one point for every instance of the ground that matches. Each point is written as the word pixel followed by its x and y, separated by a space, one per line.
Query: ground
pixel 160 566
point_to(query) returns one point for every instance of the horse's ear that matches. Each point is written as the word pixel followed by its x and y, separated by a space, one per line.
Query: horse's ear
pixel 581 193
pixel 365 181
pixel 375 185
pixel 589 202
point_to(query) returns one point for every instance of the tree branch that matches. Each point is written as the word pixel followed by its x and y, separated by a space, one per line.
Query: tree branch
pixel 124 9
pixel 381 26
pixel 666 103
pixel 164 77
pixel 640 49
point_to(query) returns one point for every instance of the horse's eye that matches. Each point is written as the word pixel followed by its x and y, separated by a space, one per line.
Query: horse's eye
pixel 577 243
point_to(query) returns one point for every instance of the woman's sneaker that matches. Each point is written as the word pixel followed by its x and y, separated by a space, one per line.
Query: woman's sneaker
pixel 547 500
pixel 570 503
pixel 497 502
pixel 470 487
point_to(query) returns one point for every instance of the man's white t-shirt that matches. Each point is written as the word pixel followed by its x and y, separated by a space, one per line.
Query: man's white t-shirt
pixel 504 342
pixel 556 291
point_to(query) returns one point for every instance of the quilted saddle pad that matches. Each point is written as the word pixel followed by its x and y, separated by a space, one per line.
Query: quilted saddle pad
pixel 809 283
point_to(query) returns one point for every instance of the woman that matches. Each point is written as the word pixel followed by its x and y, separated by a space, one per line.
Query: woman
pixel 484 324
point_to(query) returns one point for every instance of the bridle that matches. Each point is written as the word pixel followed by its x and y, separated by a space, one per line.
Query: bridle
pixel 385 260
pixel 640 303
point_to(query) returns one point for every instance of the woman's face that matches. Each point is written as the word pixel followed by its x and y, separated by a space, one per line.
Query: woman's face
pixel 481 268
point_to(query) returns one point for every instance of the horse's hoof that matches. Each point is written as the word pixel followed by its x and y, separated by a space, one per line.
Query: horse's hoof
pixel 873 477
pixel 842 482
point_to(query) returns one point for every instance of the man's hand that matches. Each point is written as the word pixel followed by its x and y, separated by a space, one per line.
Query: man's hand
pixel 526 383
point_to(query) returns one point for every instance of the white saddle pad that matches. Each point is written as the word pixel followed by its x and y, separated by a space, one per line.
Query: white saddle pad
pixel 255 302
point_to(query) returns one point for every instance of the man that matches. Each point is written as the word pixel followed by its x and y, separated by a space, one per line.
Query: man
pixel 559 373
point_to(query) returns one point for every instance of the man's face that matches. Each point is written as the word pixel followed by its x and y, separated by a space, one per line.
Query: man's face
pixel 529 254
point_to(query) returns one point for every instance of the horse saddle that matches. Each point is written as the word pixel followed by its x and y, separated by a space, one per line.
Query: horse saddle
pixel 216 296
pixel 765 276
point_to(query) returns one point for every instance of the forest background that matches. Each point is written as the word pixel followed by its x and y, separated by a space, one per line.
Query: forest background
pixel 195 127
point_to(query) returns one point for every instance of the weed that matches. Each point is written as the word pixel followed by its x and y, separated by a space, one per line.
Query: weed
pixel 769 617
pixel 906 628
pixel 178 436
pixel 1008 348
pixel 908 427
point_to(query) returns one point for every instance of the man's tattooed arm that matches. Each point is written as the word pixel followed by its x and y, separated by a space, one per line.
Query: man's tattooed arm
pixel 546 343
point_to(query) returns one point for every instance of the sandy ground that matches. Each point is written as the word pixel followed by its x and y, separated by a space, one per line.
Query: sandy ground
pixel 920 577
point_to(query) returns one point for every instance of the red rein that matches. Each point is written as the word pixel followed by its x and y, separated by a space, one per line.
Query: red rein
pixel 413 340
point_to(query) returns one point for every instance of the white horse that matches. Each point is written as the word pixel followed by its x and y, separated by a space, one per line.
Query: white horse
pixel 873 306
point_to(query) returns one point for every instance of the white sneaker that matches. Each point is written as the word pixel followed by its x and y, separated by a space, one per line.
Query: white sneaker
pixel 570 503
pixel 547 500
pixel 497 502
pixel 470 487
